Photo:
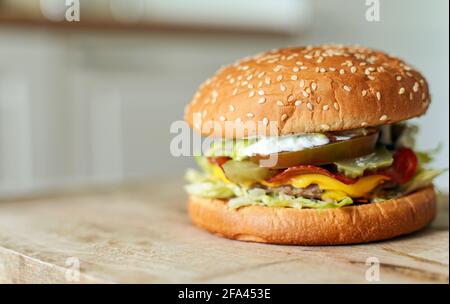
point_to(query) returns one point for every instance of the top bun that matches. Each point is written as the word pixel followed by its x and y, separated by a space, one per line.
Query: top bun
pixel 309 89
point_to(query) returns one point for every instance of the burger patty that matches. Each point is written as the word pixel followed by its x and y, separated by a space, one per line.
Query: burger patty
pixel 312 191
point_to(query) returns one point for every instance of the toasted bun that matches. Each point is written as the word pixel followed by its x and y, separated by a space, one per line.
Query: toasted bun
pixel 346 225
pixel 309 89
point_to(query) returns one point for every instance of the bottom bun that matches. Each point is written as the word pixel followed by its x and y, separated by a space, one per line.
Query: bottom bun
pixel 346 225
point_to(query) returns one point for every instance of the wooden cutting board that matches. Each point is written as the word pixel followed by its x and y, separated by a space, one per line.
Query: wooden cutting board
pixel 140 233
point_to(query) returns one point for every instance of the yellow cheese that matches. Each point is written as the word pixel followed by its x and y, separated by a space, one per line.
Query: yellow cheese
pixel 217 172
pixel 363 186
pixel 332 195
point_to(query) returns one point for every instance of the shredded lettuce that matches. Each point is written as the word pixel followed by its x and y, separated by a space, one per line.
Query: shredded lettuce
pixel 202 184
pixel 258 196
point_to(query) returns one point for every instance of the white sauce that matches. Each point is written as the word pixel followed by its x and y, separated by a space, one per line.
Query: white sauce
pixel 269 145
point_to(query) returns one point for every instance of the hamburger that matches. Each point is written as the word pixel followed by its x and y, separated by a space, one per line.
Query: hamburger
pixel 309 146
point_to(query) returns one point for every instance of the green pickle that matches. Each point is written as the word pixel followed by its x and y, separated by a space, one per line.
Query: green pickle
pixel 355 167
pixel 245 172
pixel 322 155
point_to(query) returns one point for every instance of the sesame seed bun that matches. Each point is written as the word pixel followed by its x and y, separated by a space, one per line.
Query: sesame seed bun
pixel 346 225
pixel 310 89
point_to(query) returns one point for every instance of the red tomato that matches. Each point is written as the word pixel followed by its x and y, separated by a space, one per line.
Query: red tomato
pixel 403 168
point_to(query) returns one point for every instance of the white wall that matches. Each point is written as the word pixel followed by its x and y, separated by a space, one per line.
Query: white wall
pixel 80 106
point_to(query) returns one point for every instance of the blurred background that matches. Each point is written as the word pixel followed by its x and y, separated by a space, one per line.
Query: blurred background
pixel 91 101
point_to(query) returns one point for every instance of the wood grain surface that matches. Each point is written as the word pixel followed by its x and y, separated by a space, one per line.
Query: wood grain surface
pixel 140 233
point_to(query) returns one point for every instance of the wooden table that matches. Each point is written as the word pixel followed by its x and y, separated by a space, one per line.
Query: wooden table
pixel 140 232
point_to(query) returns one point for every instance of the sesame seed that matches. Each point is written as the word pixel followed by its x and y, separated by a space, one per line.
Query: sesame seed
pixel 267 80
pixel 231 108
pixel 411 96
pixel 262 100
pixel 378 95
pixel 251 93
pixel 295 69
pixel 341 71
pixel 313 86
pixel 322 70
pixel 283 117
pixel 302 83
pixel 423 96
pixel 298 103
pixel 290 98
pixel 282 87
pixel 336 105
pixel 347 88
pixel 305 94
pixel 265 121
pixel 383 118
pixel 364 92
pixel 364 124
pixel 232 80
pixel 279 77
pixel 299 63
pixel 325 107
pixel 303 68
pixel 260 92
pixel 294 77
pixel 371 77
pixel 222 118
pixel 398 78
pixel 325 127
pixel 310 106
pixel 250 115
pixel 234 91
pixel 353 69
pixel 416 87
pixel 249 77
pixel 280 103
pixel 308 56
pixel 401 91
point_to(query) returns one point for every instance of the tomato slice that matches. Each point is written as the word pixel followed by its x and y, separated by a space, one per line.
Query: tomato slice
pixel 403 168
pixel 309 169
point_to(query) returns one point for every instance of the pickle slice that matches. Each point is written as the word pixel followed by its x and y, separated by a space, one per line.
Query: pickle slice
pixel 321 155
pixel 245 172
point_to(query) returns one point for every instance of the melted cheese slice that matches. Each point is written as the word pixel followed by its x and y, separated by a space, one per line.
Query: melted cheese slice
pixel 333 188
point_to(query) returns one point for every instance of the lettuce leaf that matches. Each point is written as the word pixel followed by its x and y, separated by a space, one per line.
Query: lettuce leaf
pixel 422 179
